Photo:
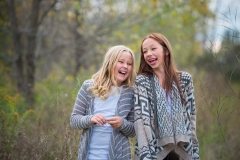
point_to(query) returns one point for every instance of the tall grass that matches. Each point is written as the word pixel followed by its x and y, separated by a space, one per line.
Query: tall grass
pixel 42 133
pixel 218 114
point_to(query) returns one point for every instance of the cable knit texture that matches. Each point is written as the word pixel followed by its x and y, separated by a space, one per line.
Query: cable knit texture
pixel 83 112
pixel 157 132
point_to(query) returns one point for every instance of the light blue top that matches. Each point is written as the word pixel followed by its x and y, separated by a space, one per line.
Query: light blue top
pixel 169 106
pixel 101 135
pixel 81 119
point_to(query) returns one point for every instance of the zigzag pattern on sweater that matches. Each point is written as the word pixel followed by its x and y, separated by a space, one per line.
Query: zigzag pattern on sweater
pixel 144 112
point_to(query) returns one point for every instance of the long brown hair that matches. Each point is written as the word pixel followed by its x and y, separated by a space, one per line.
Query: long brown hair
pixel 171 72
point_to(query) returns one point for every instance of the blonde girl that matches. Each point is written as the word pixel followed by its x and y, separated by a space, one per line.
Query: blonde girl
pixel 104 108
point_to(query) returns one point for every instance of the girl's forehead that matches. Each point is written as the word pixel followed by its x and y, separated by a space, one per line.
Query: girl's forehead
pixel 149 40
pixel 125 53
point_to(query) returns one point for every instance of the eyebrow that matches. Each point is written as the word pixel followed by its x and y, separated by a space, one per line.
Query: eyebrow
pixel 150 45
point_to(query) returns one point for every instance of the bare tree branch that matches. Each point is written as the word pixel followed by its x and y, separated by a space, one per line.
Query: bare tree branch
pixel 46 12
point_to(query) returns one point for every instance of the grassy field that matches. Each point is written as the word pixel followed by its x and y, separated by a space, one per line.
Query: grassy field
pixel 44 132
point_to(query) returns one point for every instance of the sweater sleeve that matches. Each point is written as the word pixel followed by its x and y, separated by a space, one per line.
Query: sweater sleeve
pixel 141 122
pixel 79 119
pixel 192 107
pixel 127 127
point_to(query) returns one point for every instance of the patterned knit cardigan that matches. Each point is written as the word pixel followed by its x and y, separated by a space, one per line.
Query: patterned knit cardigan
pixel 83 112
pixel 147 145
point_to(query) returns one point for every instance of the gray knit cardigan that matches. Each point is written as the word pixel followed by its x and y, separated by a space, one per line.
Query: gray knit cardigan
pixel 83 111
pixel 148 146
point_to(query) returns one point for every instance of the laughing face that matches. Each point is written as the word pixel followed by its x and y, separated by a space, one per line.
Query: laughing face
pixel 123 67
pixel 153 53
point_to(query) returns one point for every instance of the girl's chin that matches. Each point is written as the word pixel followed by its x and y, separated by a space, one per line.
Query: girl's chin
pixel 120 81
pixel 152 64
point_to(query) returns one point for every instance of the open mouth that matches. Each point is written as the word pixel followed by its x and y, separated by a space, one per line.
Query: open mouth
pixel 122 72
pixel 152 60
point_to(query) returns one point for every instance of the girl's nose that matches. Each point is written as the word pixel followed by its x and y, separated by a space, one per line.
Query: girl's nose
pixel 147 53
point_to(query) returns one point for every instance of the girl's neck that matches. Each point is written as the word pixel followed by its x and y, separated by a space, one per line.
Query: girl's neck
pixel 161 76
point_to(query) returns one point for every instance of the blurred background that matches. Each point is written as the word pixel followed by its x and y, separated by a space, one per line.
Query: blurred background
pixel 49 47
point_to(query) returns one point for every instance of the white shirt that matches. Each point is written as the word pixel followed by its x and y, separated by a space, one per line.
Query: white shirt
pixel 101 135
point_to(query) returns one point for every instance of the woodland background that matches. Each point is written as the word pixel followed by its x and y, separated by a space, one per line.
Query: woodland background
pixel 49 47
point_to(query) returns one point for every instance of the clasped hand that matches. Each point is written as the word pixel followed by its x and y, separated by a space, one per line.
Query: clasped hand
pixel 99 119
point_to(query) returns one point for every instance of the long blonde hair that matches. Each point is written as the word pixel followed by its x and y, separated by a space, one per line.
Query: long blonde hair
pixel 104 79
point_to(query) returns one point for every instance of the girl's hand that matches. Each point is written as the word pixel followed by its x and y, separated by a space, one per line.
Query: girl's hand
pixel 98 119
pixel 115 122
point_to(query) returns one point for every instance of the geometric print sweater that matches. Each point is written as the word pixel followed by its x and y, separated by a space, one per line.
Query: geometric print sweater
pixel 82 113
pixel 153 139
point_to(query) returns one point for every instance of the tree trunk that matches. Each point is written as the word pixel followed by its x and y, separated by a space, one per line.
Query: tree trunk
pixel 17 48
pixel 79 49
pixel 31 44
pixel 24 43
pixel 25 68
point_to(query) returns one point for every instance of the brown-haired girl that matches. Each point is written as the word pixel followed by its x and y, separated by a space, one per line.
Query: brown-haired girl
pixel 165 113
